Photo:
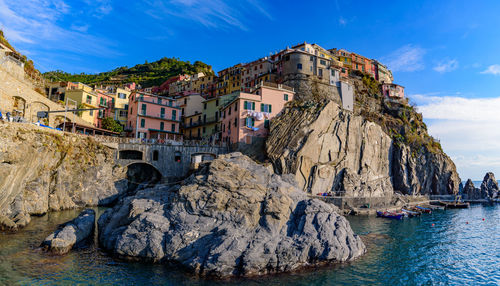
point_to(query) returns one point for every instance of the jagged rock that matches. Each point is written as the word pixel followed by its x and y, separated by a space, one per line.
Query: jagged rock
pixel 489 186
pixel 41 171
pixel 70 233
pixel 232 218
pixel 7 224
pixel 329 149
pixel 471 192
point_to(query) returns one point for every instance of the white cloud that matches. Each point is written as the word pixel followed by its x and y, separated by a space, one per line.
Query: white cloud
pixel 407 59
pixel 37 25
pixel 221 14
pixel 342 21
pixel 446 66
pixel 493 69
pixel 468 129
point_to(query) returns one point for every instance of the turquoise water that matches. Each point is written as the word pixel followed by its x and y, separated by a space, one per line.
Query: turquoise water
pixel 408 252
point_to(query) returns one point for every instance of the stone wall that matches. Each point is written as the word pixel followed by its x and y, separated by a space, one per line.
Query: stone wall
pixel 167 163
pixel 17 96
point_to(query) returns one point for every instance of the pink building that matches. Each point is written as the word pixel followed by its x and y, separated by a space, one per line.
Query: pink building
pixel 249 114
pixel 153 117
pixel 393 90
pixel 105 101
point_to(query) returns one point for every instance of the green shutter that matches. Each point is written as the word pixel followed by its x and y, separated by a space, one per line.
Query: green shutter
pixel 270 108
pixel 262 107
pixel 245 105
pixel 253 122
pixel 253 105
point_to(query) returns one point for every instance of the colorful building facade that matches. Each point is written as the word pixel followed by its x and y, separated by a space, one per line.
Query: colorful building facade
pixel 393 90
pixel 248 115
pixel 153 117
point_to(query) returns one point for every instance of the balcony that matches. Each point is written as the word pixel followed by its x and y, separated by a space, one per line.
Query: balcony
pixel 173 105
pixel 158 116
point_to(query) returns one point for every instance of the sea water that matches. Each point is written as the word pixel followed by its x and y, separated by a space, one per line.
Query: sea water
pixel 452 247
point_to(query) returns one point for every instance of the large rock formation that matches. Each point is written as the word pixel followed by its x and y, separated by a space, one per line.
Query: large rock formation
pixel 489 187
pixel 470 192
pixel 328 149
pixel 41 170
pixel 71 233
pixel 232 218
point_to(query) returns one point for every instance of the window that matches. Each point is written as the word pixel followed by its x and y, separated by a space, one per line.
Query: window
pixel 228 112
pixel 287 57
pixel 265 107
pixel 299 66
pixel 123 113
pixel 143 123
pixel 162 113
pixel 266 123
pixel 177 156
pixel 185 100
pixel 204 105
pixel 311 58
pixel 91 113
pixel 248 105
pixel 236 122
pixel 155 155
pixel 173 127
pixel 204 129
pixel 249 122
pixel 320 72
pixel 89 99
pixel 159 100
pixel 122 95
pixel 174 114
pixel 236 107
pixel 162 125
pixel 217 101
pixel 323 62
pixel 285 97
pixel 143 109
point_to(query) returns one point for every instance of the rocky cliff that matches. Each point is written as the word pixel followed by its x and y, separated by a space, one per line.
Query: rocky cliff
pixel 232 218
pixel 42 171
pixel 365 153
pixel 489 189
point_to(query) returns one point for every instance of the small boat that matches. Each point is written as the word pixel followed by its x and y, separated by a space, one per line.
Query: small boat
pixel 410 213
pixel 423 210
pixel 392 215
pixel 454 205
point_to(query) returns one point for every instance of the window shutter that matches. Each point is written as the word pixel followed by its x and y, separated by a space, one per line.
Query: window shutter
pixel 270 108
pixel 245 105
pixel 253 122
pixel 253 105
pixel 262 107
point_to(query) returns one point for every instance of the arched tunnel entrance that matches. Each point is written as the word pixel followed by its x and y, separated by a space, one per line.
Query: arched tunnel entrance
pixel 142 175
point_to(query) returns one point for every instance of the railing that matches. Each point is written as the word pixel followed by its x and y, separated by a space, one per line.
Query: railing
pixel 159 103
pixel 145 141
pixel 158 116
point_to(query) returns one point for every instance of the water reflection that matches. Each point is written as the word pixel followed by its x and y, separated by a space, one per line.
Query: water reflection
pixel 407 252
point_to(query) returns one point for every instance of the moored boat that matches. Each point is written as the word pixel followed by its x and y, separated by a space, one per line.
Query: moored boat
pixel 392 215
pixel 410 213
pixel 423 210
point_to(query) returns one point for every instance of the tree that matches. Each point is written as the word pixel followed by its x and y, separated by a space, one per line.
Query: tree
pixel 110 124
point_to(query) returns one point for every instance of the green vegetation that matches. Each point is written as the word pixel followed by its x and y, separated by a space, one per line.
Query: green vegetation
pixel 398 119
pixel 110 124
pixel 147 74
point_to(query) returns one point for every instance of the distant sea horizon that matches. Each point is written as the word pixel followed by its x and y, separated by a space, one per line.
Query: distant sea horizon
pixel 477 184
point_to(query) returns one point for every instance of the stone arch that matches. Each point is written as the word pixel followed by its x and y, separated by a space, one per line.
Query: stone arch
pixel 130 155
pixel 19 107
pixel 143 173
pixel 38 106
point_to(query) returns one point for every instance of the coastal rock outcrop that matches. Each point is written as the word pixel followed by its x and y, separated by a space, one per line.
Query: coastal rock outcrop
pixel 71 233
pixel 470 192
pixel 234 217
pixel 329 149
pixel 489 186
pixel 42 170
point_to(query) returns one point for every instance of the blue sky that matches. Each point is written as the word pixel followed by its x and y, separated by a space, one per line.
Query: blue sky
pixel 446 53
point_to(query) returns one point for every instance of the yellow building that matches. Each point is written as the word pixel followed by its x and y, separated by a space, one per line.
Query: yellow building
pixel 85 97
pixel 229 80
pixel 211 113
pixel 120 104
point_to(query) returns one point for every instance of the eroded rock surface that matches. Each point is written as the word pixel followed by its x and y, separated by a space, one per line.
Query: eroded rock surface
pixel 41 171
pixel 489 187
pixel 232 218
pixel 71 233
pixel 329 149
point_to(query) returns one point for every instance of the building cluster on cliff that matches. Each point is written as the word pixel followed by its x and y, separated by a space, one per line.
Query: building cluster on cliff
pixel 234 106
